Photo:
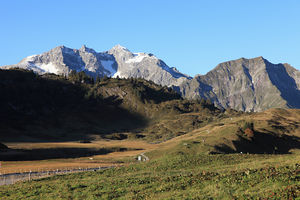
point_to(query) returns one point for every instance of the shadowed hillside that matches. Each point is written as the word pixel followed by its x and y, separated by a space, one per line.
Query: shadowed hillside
pixel 285 83
pixel 53 108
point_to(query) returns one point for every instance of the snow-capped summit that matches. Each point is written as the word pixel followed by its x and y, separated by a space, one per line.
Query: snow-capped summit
pixel 116 62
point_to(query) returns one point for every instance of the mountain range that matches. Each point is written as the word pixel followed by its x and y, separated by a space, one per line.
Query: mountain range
pixel 243 84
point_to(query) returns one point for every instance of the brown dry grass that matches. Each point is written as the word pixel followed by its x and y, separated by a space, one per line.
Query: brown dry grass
pixel 110 159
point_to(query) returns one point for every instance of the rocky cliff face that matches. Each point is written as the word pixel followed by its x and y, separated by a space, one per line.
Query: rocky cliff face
pixel 247 84
pixel 118 61
pixel 243 84
pixel 146 66
pixel 61 60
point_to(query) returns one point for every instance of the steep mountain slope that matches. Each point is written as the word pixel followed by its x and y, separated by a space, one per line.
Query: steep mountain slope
pixel 117 62
pixel 247 84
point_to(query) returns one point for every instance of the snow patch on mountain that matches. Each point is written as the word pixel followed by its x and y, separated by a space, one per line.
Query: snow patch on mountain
pixel 118 74
pixel 138 57
pixel 49 68
pixel 29 58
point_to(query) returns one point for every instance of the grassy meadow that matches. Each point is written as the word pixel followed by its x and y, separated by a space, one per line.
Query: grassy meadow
pixel 179 175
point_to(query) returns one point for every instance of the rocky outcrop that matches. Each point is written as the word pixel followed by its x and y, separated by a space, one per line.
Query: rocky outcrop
pixel 247 84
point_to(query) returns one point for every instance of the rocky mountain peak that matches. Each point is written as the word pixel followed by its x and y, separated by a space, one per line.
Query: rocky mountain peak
pixel 119 48
pixel 247 84
pixel 59 50
pixel 121 53
pixel 117 62
pixel 84 48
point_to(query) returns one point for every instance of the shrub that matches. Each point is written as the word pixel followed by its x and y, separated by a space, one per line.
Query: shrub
pixel 248 125
pixel 249 132
pixel 3 147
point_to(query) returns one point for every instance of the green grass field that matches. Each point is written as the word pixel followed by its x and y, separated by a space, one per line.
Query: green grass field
pixel 178 175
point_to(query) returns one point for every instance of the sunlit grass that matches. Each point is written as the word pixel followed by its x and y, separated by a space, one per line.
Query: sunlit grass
pixel 182 176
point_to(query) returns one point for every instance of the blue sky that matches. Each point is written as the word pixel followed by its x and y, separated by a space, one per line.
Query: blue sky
pixel 193 36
